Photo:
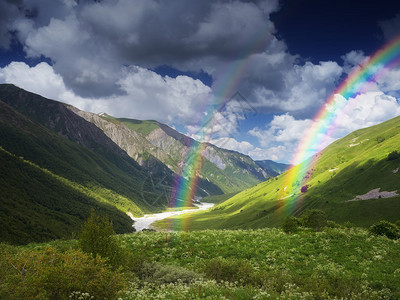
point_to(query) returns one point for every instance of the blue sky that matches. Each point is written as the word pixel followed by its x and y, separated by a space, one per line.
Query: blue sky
pixel 176 61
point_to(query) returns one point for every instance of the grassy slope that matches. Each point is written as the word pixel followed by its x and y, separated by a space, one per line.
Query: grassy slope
pixel 49 183
pixel 360 169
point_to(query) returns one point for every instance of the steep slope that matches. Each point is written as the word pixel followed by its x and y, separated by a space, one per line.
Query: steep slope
pixel 155 160
pixel 272 167
pixel 347 171
pixel 117 171
pixel 38 205
pixel 223 171
pixel 49 180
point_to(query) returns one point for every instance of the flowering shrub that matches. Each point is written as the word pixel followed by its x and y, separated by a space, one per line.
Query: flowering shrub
pixel 163 274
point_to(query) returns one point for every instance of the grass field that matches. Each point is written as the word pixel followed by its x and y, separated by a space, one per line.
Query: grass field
pixel 337 263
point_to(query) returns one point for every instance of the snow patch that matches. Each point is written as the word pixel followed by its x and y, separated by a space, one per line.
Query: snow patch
pixel 375 194
pixel 395 171
pixel 331 170
pixel 353 140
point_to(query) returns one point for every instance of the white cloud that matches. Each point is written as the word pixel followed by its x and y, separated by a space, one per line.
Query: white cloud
pixel 147 94
pixel 280 138
pixel 353 59
pixel 299 89
pixel 232 144
pixel 89 42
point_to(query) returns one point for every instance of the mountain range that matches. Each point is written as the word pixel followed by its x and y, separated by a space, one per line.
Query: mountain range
pixel 58 162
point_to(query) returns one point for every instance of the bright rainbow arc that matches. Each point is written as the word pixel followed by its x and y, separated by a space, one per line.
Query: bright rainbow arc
pixel 325 121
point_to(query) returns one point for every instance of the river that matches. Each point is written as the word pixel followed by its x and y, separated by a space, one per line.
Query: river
pixel 145 221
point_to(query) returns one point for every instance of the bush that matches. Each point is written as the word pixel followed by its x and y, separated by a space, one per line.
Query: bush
pixel 348 224
pixel 97 238
pixel 164 274
pixel 393 155
pixel 51 274
pixel 222 269
pixel 315 219
pixel 332 224
pixel 291 224
pixel 385 228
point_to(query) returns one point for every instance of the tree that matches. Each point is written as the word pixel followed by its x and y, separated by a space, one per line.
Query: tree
pixel 291 224
pixel 96 238
pixel 315 218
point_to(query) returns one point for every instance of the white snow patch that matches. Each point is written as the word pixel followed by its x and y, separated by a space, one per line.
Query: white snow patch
pixel 353 140
pixel 395 171
pixel 375 194
pixel 352 145
pixel 286 197
pixel 331 170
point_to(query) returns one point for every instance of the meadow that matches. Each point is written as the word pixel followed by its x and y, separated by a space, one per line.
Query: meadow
pixel 335 263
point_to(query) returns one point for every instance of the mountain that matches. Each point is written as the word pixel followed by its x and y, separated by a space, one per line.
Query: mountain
pixel 355 179
pixel 56 166
pixel 152 144
pixel 273 168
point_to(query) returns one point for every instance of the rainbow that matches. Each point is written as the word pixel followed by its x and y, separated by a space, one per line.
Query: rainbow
pixel 326 121
pixel 227 80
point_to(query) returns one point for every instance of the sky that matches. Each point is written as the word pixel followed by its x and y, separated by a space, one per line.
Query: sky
pixel 244 75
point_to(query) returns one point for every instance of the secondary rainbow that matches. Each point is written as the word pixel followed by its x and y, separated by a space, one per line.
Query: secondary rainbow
pixel 225 86
pixel 325 121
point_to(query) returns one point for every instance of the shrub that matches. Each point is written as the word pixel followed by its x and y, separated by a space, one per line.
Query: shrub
pixel 291 224
pixel 385 228
pixel 97 238
pixel 397 223
pixel 348 224
pixel 393 155
pixel 51 274
pixel 332 224
pixel 315 219
pixel 162 274
pixel 222 269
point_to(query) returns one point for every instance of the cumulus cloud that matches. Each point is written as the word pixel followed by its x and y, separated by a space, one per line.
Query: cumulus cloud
pixel 299 89
pixel 280 138
pixel 147 95
pixel 90 45
pixel 89 42
pixel 353 59
pixel 232 144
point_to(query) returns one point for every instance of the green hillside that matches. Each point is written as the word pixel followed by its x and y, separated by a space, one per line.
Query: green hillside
pixel 49 183
pixel 351 166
